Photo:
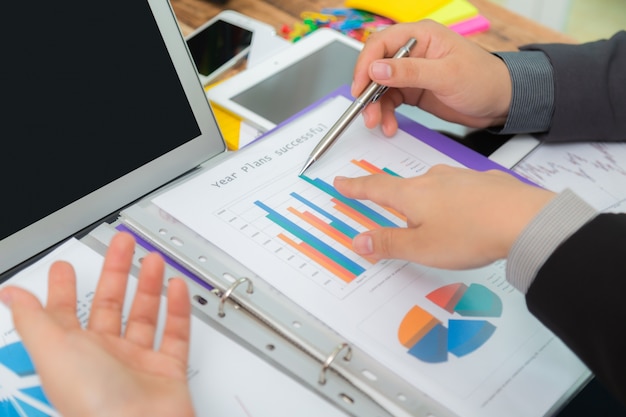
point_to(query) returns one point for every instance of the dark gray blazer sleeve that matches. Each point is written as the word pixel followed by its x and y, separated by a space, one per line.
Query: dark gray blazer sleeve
pixel 579 293
pixel 589 90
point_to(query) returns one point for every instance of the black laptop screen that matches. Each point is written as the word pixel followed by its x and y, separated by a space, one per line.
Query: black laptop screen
pixel 89 94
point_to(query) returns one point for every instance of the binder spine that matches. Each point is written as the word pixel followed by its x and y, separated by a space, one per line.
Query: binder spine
pixel 273 326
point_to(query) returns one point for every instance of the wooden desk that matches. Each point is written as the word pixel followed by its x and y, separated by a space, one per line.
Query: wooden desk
pixel 508 30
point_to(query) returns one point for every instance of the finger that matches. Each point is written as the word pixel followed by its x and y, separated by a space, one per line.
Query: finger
pixel 177 329
pixel 379 45
pixel 31 321
pixel 389 243
pixel 389 123
pixel 385 44
pixel 409 244
pixel 428 74
pixel 371 115
pixel 61 303
pixel 142 320
pixel 382 189
pixel 108 302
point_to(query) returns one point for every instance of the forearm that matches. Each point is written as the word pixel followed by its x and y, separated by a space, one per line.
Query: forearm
pixel 569 262
pixel 579 294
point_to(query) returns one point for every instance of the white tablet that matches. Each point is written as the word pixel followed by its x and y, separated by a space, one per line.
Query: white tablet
pixel 291 80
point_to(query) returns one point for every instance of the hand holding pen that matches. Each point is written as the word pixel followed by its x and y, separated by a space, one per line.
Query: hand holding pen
pixel 369 95
pixel 447 75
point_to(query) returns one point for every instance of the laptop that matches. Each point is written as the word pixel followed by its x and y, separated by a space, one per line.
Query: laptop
pixel 102 106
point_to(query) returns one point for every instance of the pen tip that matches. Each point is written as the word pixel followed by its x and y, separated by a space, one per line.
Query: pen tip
pixel 306 166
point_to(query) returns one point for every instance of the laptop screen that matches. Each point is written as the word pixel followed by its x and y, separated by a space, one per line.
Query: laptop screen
pixel 101 106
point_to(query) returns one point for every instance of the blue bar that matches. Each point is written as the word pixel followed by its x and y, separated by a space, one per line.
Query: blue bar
pixel 305 236
pixel 336 223
pixel 358 206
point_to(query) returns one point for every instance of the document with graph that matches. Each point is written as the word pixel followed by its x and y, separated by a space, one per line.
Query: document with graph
pixel 465 338
pixel 596 171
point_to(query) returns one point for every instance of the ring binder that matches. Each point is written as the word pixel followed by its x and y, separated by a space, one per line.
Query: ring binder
pixel 329 360
pixel 270 316
pixel 229 290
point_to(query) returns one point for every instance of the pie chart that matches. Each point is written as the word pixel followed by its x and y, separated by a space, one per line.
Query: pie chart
pixel 21 394
pixel 467 329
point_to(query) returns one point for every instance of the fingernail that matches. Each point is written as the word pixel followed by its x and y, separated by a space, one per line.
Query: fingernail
pixel 5 298
pixel 340 178
pixel 381 71
pixel 363 245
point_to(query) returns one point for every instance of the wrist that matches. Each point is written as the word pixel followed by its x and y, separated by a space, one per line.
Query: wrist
pixel 501 91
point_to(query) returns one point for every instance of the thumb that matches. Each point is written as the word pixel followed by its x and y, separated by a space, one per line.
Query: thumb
pixel 427 74
pixel 29 316
pixel 385 243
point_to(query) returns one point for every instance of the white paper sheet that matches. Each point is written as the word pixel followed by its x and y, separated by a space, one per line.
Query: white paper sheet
pixel 594 171
pixel 464 338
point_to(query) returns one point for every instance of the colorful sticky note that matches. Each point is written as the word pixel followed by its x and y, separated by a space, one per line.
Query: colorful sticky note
pixel 453 12
pixel 398 10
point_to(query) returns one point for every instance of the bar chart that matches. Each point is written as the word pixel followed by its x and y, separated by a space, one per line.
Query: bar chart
pixel 309 225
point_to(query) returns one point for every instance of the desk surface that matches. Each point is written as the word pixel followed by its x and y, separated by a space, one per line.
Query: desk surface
pixel 508 30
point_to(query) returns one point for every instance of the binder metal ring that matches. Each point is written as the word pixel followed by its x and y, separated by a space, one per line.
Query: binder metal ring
pixel 329 360
pixel 229 291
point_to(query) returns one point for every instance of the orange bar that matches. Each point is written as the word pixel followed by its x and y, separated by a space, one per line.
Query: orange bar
pixel 320 225
pixel 372 169
pixel 355 215
pixel 395 213
pixel 321 259
pixel 327 229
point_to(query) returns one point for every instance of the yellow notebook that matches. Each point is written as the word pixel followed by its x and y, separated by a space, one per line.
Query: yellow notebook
pixel 398 10
pixel 453 12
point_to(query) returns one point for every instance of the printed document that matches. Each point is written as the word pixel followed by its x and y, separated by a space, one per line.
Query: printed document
pixel 465 338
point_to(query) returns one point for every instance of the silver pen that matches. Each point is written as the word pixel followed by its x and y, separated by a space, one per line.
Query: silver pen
pixel 370 95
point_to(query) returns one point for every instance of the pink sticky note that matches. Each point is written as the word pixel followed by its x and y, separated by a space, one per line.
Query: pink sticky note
pixel 473 25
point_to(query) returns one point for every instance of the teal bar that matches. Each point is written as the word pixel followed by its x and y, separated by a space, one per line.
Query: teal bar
pixel 335 223
pixel 307 237
pixel 358 206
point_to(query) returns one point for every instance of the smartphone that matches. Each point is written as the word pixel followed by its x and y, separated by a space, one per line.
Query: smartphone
pixel 223 41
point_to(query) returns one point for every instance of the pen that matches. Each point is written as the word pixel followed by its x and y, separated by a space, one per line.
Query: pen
pixel 370 95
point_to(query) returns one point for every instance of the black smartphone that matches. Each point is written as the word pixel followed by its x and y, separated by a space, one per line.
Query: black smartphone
pixel 222 42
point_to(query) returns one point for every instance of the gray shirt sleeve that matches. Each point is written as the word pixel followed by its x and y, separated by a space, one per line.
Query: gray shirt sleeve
pixel 532 101
pixel 558 220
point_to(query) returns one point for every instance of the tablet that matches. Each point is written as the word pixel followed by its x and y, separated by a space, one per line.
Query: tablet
pixel 291 80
